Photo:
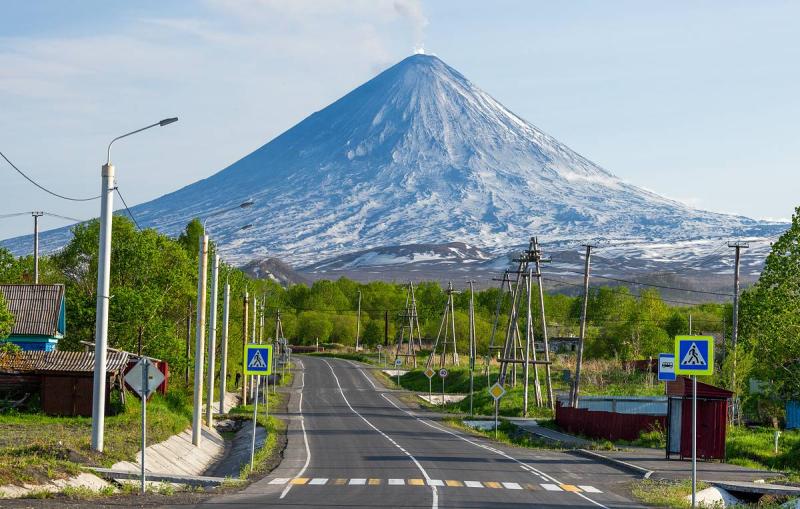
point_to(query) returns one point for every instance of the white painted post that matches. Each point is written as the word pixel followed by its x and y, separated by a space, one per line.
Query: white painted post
pixel 202 264
pixel 223 369
pixel 212 340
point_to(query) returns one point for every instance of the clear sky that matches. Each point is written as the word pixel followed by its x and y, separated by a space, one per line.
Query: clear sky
pixel 698 101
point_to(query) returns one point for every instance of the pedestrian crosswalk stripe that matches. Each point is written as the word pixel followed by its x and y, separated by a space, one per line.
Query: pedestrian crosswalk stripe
pixel 450 483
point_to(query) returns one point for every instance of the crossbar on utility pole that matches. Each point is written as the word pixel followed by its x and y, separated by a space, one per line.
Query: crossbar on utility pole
pixel 582 340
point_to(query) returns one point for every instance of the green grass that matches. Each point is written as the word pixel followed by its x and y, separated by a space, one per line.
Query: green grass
pixel 754 447
pixel 35 447
pixel 507 433
pixel 273 426
pixel 670 494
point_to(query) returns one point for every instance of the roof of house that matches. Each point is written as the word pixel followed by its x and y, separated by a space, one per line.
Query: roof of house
pixel 58 361
pixel 36 308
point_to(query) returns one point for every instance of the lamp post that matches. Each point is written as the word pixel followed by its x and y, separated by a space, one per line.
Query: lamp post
pixel 103 283
pixel 223 368
pixel 202 262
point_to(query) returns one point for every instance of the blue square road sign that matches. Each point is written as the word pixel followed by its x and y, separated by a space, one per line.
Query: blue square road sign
pixel 258 359
pixel 694 355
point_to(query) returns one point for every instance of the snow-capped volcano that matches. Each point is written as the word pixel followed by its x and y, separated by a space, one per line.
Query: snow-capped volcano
pixel 421 155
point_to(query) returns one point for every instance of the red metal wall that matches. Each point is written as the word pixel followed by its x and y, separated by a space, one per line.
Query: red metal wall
pixel 608 425
pixel 711 428
pixel 67 395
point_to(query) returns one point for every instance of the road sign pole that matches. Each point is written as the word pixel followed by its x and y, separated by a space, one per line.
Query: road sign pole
pixel 145 374
pixel 442 392
pixel 471 390
pixel 430 389
pixel 496 404
pixel 255 415
pixel 694 441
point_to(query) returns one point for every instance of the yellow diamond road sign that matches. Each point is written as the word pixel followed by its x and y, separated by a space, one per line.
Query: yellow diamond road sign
pixel 430 372
pixel 497 391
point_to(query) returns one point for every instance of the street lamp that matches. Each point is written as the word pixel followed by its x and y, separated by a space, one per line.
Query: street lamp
pixel 103 283
pixel 201 324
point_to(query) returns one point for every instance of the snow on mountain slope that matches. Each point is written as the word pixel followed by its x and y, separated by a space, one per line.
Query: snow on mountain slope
pixel 420 155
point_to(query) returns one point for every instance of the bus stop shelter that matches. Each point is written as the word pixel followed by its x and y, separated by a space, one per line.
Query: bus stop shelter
pixel 712 419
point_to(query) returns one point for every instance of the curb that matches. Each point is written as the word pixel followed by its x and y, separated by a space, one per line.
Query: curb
pixel 621 465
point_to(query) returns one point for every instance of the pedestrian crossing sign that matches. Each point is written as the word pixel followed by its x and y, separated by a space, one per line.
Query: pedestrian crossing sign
pixel 258 359
pixel 694 355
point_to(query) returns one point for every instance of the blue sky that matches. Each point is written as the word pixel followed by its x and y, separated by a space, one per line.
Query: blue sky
pixel 694 100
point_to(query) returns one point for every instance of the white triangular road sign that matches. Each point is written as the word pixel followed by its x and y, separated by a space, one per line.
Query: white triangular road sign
pixel 693 357
pixel 257 361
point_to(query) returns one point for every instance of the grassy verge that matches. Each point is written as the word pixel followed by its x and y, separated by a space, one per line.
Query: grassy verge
pixel 754 447
pixel 507 433
pixel 670 494
pixel 35 447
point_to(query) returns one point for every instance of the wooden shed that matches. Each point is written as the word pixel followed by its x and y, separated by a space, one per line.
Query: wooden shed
pixel 63 380
pixel 39 315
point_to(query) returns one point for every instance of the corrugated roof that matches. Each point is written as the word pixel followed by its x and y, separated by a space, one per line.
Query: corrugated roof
pixel 73 362
pixel 35 308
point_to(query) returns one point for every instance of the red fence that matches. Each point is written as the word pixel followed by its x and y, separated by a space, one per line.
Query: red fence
pixel 608 425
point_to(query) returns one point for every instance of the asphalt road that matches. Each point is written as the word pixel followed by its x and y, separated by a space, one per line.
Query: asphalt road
pixel 352 443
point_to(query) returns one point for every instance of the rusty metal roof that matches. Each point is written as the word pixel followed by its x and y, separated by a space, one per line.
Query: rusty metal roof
pixel 35 308
pixel 57 361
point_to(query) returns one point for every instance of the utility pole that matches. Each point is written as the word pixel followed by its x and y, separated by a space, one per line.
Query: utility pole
pixel 358 320
pixel 188 340
pixel 537 258
pixel 223 368
pixel 735 331
pixel 473 346
pixel 36 216
pixel 212 340
pixel 582 339
pixel 386 328
pixel 253 340
pixel 244 345
pixel 200 331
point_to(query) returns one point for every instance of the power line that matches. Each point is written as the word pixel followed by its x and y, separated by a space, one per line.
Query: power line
pixel 635 295
pixel 129 210
pixel 653 285
pixel 44 188
pixel 67 218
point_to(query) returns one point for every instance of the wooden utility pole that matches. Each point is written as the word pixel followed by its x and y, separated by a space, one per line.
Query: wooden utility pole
pixel 246 303
pixel 188 340
pixel 537 259
pixel 448 327
pixel 473 344
pixel 735 331
pixel 358 320
pixel 386 328
pixel 577 383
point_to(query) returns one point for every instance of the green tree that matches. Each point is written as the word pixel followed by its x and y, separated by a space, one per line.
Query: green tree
pixel 770 313
pixel 6 319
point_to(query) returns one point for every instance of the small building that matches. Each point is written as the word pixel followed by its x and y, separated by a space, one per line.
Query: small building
pixel 62 380
pixel 40 316
pixel 712 419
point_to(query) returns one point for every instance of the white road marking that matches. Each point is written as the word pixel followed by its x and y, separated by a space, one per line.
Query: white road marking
pixel 511 486
pixel 357 482
pixel 318 480
pixel 435 482
pixel 397 482
pixel 305 436
pixel 434 493
pixel 589 489
pixel 473 484
pixel 280 480
pixel 364 374
pixel 488 448
pixel 551 487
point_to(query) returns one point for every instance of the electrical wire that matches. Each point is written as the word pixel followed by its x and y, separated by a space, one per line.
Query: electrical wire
pixel 67 218
pixel 128 209
pixel 44 188
pixel 653 285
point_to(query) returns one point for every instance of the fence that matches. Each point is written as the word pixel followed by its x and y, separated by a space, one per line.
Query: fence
pixel 647 405
pixel 793 415
pixel 613 418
